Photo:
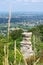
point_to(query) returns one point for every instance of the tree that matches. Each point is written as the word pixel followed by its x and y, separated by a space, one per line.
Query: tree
pixel 15 34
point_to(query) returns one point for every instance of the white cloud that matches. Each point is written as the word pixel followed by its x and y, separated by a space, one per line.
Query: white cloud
pixel 23 0
pixel 27 0
pixel 13 1
pixel 37 0
pixel 18 0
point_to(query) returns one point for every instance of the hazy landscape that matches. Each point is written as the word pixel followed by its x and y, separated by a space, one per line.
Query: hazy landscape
pixel 11 37
pixel 21 32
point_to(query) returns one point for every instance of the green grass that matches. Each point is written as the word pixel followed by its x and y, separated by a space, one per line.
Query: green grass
pixel 39 63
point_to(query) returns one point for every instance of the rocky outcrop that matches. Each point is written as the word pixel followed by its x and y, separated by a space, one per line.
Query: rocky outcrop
pixel 26 45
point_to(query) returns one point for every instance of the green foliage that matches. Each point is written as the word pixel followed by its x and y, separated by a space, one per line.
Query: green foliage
pixel 37 31
pixel 37 39
pixel 11 56
pixel 15 34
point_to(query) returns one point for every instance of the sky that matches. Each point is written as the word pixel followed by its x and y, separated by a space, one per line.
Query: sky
pixel 21 5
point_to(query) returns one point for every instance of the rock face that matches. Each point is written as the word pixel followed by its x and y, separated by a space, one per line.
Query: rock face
pixel 26 46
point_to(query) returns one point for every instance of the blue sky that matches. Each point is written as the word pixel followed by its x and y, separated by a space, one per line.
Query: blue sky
pixel 21 5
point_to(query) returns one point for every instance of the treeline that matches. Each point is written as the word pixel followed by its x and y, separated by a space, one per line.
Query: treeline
pixel 37 40
pixel 37 31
